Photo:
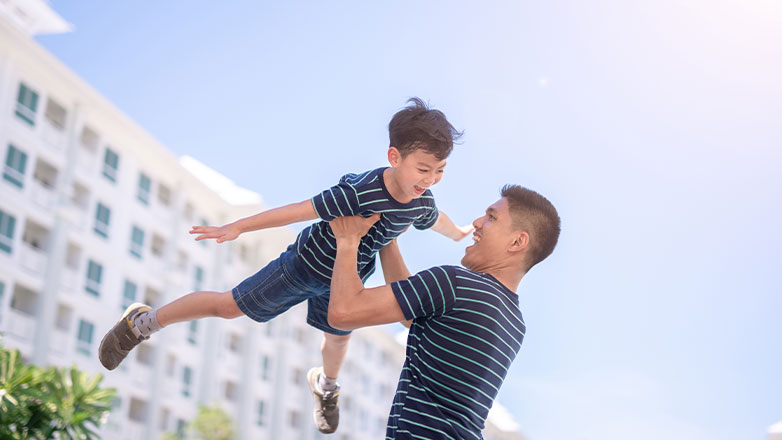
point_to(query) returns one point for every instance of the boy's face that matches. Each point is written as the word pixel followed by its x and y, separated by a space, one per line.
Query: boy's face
pixel 415 172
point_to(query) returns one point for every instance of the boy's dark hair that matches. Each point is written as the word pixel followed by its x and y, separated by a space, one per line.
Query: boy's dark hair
pixel 417 127
pixel 533 213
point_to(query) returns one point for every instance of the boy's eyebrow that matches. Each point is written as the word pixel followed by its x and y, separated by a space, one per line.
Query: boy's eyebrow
pixel 422 164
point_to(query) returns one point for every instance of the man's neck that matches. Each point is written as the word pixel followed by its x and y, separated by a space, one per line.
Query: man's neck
pixel 509 277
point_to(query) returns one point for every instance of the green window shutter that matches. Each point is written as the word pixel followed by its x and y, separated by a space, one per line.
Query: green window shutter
pixel 187 374
pixel 110 164
pixel 198 277
pixel 129 294
pixel 94 275
pixel 7 225
pixel 26 104
pixel 136 242
pixel 192 332
pixel 15 164
pixel 144 186
pixel 102 218
pixel 84 337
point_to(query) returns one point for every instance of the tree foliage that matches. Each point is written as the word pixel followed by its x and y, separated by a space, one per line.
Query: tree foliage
pixel 211 423
pixel 49 403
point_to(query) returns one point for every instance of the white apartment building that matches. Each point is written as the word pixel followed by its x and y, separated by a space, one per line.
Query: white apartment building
pixel 94 215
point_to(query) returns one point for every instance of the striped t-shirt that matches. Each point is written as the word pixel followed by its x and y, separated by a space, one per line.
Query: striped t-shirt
pixel 466 331
pixel 360 194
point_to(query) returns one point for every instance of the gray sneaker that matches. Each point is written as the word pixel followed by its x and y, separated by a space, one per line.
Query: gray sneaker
pixel 121 338
pixel 326 412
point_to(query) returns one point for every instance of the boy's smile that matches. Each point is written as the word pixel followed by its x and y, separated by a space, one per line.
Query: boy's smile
pixel 412 175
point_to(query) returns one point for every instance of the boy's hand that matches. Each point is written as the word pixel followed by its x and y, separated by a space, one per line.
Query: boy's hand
pixel 352 228
pixel 221 233
pixel 462 231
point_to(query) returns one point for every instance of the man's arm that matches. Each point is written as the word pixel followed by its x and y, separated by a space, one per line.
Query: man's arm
pixel 445 226
pixel 394 268
pixel 282 216
pixel 351 305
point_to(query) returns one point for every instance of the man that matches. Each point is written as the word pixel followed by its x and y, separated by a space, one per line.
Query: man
pixel 466 324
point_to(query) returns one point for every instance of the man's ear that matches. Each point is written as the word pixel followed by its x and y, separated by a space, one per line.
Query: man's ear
pixel 394 156
pixel 520 242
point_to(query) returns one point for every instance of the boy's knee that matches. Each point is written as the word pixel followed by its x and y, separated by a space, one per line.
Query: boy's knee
pixel 227 307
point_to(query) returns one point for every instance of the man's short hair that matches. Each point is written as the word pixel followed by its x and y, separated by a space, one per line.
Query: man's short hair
pixel 533 213
pixel 417 127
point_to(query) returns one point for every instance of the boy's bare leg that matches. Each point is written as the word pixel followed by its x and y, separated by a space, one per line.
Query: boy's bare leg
pixel 199 305
pixel 323 382
pixel 333 349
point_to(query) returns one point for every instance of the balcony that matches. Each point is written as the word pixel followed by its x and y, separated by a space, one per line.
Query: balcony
pixel 19 325
pixel 59 342
pixel 43 196
pixel 33 259
pixel 53 129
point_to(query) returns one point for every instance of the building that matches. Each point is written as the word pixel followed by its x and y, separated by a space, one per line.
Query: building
pixel 94 214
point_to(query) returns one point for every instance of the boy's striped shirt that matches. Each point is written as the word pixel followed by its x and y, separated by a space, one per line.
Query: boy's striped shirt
pixel 467 329
pixel 360 194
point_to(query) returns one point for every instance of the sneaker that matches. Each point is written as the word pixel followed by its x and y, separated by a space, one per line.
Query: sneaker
pixel 326 412
pixel 121 338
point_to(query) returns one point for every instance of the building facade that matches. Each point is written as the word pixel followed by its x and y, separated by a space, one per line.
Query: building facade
pixel 94 215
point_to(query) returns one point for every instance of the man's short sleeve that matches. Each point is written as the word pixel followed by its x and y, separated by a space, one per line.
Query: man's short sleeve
pixel 428 293
pixel 338 201
pixel 428 219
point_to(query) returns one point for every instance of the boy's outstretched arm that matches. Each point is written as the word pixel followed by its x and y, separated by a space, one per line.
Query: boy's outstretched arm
pixel 284 215
pixel 445 226
pixel 394 268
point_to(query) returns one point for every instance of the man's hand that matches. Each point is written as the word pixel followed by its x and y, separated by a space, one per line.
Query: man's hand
pixel 352 228
pixel 221 233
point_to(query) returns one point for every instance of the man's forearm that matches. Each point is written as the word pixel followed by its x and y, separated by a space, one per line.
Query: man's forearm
pixel 282 216
pixel 346 285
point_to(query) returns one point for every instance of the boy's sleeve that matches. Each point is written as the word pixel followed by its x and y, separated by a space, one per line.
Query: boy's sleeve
pixel 338 201
pixel 428 293
pixel 427 220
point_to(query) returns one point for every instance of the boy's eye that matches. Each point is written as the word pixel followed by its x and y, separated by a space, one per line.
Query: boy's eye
pixel 423 171
pixel 440 171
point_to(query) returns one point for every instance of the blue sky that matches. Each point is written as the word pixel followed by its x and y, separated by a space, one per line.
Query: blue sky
pixel 654 127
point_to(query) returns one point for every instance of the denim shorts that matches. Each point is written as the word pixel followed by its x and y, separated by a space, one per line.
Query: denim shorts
pixel 282 284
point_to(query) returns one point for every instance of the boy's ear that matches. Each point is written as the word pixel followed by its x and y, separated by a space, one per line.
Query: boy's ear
pixel 394 156
pixel 520 242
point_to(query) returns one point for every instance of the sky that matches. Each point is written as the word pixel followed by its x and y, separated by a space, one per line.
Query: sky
pixel 654 127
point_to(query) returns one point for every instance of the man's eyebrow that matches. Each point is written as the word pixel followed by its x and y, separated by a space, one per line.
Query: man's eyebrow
pixel 490 210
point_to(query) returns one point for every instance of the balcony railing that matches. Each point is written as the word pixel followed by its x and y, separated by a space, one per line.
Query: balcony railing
pixel 32 259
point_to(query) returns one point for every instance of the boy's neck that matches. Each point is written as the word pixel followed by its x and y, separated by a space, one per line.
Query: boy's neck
pixel 393 187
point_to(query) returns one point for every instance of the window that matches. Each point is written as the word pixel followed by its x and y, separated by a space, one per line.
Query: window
pixel 94 274
pixel 187 378
pixel 128 294
pixel 15 163
pixel 163 195
pixel 170 365
pixel 136 242
pixel 137 412
pixel 158 245
pixel 84 338
pixel 2 293
pixel 192 332
pixel 234 342
pixel 7 224
pixel 294 417
pixel 145 354
pixel 55 114
pixel 198 277
pixel 144 186
pixel 26 104
pixel 102 217
pixel 110 164
pixel 260 416
pixel 266 365
pixel 231 391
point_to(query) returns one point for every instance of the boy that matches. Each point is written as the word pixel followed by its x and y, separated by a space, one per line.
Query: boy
pixel 420 141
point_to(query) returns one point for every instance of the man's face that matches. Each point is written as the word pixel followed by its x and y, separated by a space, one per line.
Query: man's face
pixel 417 171
pixel 493 236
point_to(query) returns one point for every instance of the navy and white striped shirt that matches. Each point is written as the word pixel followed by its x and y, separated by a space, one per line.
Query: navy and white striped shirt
pixel 360 194
pixel 467 329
